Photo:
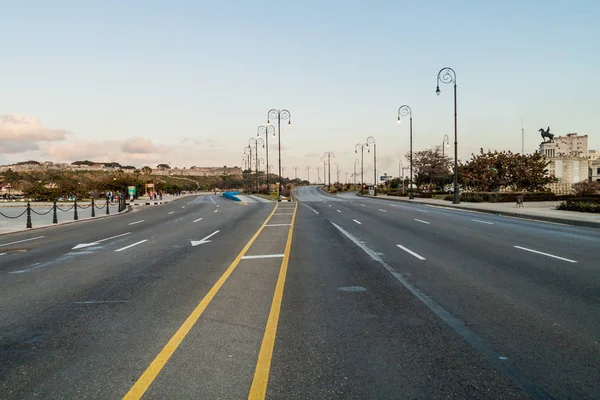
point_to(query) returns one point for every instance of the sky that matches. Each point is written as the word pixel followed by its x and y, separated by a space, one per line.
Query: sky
pixel 189 82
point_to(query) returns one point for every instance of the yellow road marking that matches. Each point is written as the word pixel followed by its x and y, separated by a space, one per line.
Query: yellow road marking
pixel 258 391
pixel 150 374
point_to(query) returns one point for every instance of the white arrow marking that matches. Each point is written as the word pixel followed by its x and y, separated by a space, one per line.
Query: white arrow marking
pixel 97 242
pixel 205 240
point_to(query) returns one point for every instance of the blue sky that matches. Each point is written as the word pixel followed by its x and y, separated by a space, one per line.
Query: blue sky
pixel 188 82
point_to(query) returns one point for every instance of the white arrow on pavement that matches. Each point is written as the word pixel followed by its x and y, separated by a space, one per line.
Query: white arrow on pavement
pixel 205 240
pixel 83 245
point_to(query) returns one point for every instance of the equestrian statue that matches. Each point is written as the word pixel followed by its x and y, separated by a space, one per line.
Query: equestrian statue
pixel 546 134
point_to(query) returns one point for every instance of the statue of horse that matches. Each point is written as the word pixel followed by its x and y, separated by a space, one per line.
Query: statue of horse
pixel 546 134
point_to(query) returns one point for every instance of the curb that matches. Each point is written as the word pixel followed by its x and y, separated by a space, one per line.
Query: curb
pixel 556 220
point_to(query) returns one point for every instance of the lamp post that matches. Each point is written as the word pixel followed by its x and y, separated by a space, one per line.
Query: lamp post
pixel 356 162
pixel 362 169
pixel 371 141
pixel 445 143
pixel 327 156
pixel 266 130
pixel 295 172
pixel 403 111
pixel 308 172
pixel 318 174
pixel 447 75
pixel 280 115
pixel 256 142
pixel 261 165
pixel 337 173
pixel 248 152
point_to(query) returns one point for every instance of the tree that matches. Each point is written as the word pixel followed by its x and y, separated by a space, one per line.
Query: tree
pixel 488 172
pixel 163 166
pixel 146 170
pixel 11 176
pixel 430 167
pixel 586 188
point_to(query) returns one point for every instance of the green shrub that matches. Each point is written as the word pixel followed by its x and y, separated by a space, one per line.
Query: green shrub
pixel 581 206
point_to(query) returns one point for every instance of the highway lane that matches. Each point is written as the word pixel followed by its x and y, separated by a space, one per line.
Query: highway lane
pixel 539 312
pixel 339 311
pixel 88 324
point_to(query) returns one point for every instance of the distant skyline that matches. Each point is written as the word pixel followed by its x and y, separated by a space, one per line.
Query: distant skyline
pixel 189 82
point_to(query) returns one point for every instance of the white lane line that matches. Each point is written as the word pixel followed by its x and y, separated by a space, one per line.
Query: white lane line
pixel 32 267
pixel 199 219
pixel 382 210
pixel 216 210
pixel 137 222
pixel 131 245
pixel 182 206
pixel 21 241
pixel 263 256
pixel 213 200
pixel 362 205
pixel 545 254
pixel 329 205
pixel 358 222
pixel 277 225
pixel 1 254
pixel 313 210
pixel 423 211
pixel 421 221
pixel 410 252
pixel 339 211
pixel 482 222
pixel 170 213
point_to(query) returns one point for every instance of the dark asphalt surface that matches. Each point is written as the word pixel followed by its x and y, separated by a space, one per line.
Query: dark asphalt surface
pixel 456 312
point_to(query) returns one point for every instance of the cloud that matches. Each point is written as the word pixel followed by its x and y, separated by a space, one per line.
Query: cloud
pixel 18 128
pixel 12 147
pixel 139 145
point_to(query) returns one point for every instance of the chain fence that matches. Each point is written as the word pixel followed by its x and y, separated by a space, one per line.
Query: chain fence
pixel 76 208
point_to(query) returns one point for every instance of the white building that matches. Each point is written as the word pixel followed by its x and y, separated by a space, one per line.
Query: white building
pixel 570 161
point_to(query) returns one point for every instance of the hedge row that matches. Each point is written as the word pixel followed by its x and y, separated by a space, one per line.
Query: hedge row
pixel 511 197
pixel 581 206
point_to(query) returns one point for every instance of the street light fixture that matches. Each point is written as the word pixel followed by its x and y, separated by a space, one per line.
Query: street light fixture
pixel 308 172
pixel 295 172
pixel 318 174
pixel 447 75
pixel 371 141
pixel 403 111
pixel 362 163
pixel 327 155
pixel 280 115
pixel 266 130
pixel 248 152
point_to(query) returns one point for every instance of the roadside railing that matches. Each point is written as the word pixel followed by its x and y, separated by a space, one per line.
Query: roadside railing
pixel 55 209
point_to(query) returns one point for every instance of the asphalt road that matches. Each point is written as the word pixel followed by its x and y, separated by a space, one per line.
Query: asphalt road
pixel 330 297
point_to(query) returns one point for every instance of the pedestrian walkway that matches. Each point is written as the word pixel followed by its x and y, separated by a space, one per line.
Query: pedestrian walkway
pixel 538 210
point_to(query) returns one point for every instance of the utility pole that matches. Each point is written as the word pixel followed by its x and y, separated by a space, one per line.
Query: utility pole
pixel 522 138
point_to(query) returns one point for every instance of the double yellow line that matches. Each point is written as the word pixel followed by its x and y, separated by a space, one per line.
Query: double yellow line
pixel 261 375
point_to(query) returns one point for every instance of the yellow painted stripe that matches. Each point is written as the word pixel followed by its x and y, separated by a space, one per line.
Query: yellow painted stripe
pixel 258 391
pixel 150 374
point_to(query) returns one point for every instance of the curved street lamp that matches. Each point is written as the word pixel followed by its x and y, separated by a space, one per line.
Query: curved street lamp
pixel 403 111
pixel 280 115
pixel 447 75
pixel 356 162
pixel 266 130
pixel 362 162
pixel 295 172
pixel 261 165
pixel 308 172
pixel 248 152
pixel 327 155
pixel 318 174
pixel 371 141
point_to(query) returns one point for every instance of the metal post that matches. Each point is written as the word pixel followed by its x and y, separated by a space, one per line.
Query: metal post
pixel 107 207
pixel 362 170
pixel 54 216
pixel 456 189
pixel 93 208
pixel 329 169
pixel 410 189
pixel 29 226
pixel 375 169
pixel 75 216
